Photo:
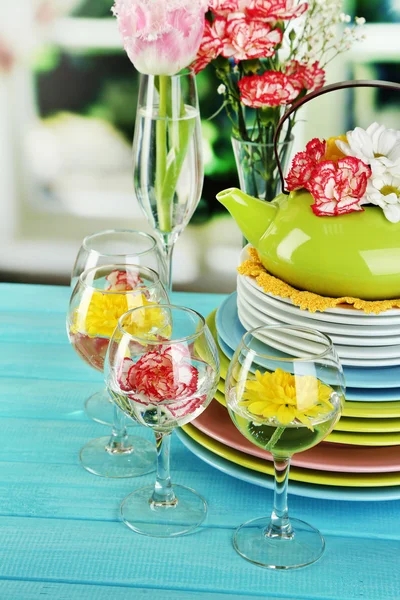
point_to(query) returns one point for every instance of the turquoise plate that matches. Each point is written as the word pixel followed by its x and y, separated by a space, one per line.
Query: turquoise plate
pixel 230 332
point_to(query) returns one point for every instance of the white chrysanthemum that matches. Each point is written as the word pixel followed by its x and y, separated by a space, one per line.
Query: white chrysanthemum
pixel 384 191
pixel 380 149
pixel 376 146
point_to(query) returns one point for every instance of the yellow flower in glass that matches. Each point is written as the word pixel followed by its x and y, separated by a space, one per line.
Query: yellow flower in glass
pixel 287 398
pixel 98 312
pixel 149 324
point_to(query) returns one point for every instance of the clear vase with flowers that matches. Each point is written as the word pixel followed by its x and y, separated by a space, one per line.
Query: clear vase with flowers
pixel 268 54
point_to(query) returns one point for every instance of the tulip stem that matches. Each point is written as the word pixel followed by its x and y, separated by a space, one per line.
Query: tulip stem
pixel 163 206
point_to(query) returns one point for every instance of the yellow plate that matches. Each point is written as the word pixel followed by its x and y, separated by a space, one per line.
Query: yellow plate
pixel 362 410
pixel 296 473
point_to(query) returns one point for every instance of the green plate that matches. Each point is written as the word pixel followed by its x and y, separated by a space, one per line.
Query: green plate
pixel 296 473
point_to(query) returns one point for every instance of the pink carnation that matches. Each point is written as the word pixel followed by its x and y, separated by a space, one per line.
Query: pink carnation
pixel 272 88
pixel 275 10
pixel 310 78
pixel 210 47
pixel 245 39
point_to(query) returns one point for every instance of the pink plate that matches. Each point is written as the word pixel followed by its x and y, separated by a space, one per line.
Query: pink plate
pixel 216 423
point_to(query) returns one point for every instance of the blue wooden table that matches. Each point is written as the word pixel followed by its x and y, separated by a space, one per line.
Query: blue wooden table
pixel 61 537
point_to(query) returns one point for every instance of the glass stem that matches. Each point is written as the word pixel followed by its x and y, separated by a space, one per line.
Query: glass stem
pixel 118 442
pixel 279 525
pixel 163 494
pixel 168 249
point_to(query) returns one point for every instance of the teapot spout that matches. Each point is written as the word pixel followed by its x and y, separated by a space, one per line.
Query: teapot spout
pixel 253 216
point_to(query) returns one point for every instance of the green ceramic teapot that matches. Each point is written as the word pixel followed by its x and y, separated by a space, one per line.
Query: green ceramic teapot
pixel 356 254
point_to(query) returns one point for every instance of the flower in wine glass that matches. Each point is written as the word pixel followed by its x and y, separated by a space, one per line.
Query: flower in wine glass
pixel 284 403
pixel 115 247
pixel 287 398
pixel 163 379
pixel 160 375
pixel 161 37
pixel 100 297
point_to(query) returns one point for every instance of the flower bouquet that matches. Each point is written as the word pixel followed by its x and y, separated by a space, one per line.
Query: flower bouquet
pixel 345 173
pixel 268 54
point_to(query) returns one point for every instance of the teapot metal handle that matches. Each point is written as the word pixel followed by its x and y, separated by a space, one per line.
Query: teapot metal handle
pixel 387 85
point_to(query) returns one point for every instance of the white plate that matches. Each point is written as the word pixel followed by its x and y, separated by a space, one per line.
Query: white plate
pixel 249 321
pixel 281 304
pixel 346 313
pixel 355 351
pixel 302 319
pixel 248 297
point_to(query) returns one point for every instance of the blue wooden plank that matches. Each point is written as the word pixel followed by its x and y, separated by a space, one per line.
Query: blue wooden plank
pixel 108 553
pixel 44 326
pixel 33 327
pixel 44 361
pixel 54 299
pixel 32 590
pixel 45 399
pixel 43 298
pixel 42 478
pixel 60 524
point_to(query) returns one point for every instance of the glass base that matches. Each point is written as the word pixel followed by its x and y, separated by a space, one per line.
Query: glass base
pixel 138 512
pixel 141 459
pixel 100 408
pixel 305 546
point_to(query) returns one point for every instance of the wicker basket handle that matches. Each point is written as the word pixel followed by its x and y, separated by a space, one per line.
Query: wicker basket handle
pixel 386 85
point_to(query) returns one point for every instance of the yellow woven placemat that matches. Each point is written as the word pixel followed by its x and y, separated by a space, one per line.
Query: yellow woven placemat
pixel 307 300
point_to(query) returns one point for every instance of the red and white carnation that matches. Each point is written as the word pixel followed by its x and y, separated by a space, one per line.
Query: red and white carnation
pixel 246 39
pixel 306 77
pixel 272 88
pixel 224 7
pixel 304 163
pixel 275 10
pixel 163 375
pixel 337 187
pixel 211 45
pixel 91 349
pixel 123 280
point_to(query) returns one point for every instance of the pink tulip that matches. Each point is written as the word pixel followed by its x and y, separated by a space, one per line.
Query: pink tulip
pixel 161 37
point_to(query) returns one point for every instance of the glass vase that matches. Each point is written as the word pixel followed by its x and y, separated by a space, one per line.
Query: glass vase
pixel 167 156
pixel 257 166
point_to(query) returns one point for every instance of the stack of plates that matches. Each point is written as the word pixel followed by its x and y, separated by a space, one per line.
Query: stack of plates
pixel 360 459
pixel 361 340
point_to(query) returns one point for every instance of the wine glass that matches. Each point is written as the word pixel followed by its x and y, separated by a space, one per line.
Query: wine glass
pixel 113 246
pixel 100 297
pixel 283 402
pixel 163 378
pixel 167 156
